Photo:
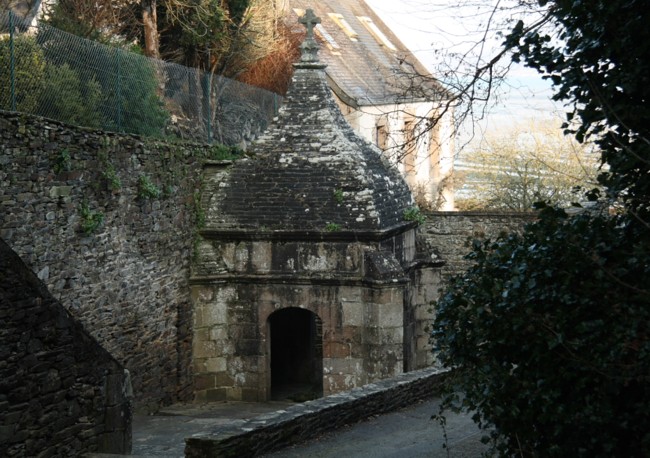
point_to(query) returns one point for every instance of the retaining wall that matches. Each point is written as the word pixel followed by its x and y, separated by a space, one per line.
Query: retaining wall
pixel 125 280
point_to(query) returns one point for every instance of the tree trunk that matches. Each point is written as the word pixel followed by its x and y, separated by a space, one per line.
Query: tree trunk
pixel 150 23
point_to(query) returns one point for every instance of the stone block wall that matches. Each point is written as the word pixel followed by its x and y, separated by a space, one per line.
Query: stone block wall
pixel 61 393
pixel 426 283
pixel 451 233
pixel 125 280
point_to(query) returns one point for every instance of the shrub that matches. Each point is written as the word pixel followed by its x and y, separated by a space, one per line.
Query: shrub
pixel 414 214
pixel 142 109
pixel 548 335
pixel 29 69
pixel 128 82
pixel 65 98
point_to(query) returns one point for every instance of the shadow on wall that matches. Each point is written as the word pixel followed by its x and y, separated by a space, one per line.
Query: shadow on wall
pixel 62 394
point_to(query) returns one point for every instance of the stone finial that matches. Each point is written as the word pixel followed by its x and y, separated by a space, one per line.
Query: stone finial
pixel 309 46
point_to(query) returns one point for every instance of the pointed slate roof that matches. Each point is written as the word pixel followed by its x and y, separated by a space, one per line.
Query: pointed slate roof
pixel 310 171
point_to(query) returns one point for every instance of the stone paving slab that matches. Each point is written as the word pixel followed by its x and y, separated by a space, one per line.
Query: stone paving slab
pixel 164 434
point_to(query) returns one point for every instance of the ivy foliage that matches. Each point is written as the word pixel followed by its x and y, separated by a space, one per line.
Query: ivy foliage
pixel 549 332
pixel 147 189
pixel 90 220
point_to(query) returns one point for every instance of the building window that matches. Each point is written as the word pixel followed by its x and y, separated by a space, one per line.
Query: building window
pixel 409 153
pixel 375 32
pixel 381 136
pixel 344 25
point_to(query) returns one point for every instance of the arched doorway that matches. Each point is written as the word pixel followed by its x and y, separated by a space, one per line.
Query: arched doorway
pixel 296 354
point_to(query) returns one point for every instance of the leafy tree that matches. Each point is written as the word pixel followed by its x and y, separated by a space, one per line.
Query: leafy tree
pixel 529 163
pixel 549 333
pixel 91 19
pixel 212 35
pixel 602 70
pixel 208 34
pixel 29 69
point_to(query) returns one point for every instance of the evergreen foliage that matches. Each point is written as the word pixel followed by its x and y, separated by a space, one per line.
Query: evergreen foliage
pixel 29 69
pixel 549 332
pixel 128 82
pixel 65 98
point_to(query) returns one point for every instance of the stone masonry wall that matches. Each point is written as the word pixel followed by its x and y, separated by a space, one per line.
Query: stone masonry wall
pixel 451 233
pixel 61 393
pixel 126 280
pixel 418 317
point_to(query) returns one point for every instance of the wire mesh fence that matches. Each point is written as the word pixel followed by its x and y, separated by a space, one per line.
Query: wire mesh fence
pixel 51 73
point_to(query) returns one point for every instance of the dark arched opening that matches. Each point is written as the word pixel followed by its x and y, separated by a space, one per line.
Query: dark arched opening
pixel 296 355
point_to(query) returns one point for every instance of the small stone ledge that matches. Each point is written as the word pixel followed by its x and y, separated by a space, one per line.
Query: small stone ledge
pixel 233 278
pixel 256 234
pixel 301 422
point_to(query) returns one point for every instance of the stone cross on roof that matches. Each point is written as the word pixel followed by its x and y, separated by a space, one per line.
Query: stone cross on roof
pixel 310 20
pixel 309 47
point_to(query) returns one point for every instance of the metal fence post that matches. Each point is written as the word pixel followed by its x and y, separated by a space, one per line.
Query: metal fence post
pixel 207 99
pixel 12 64
pixel 118 91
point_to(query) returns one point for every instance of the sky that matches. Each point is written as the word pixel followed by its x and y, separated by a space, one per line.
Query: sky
pixel 427 26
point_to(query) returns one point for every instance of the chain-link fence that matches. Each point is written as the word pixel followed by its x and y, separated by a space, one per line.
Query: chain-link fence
pixel 51 73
